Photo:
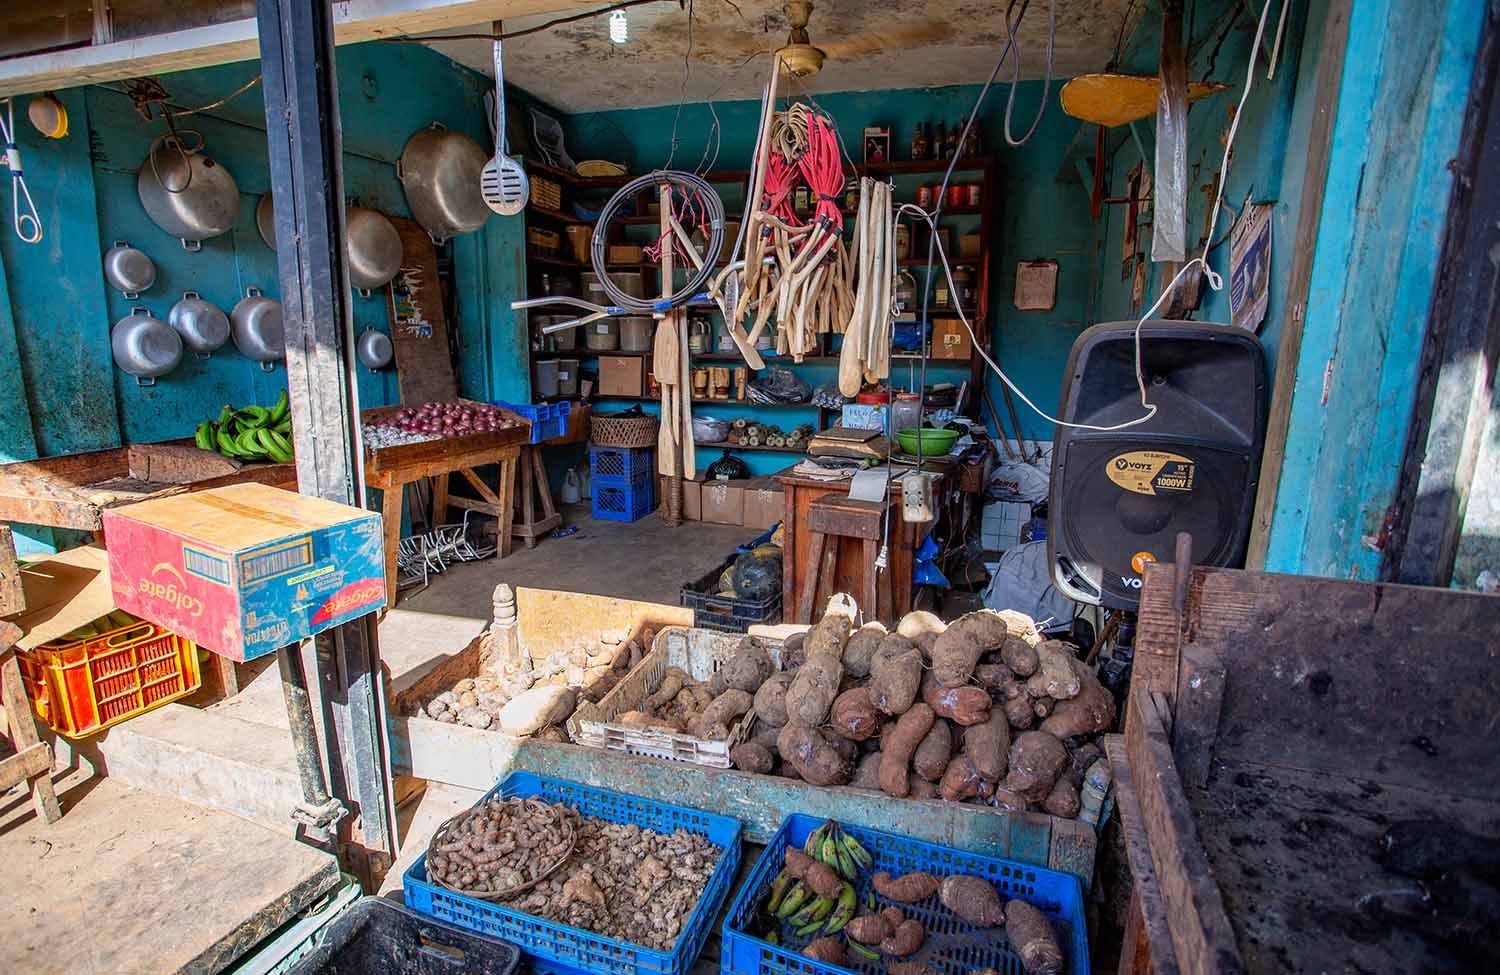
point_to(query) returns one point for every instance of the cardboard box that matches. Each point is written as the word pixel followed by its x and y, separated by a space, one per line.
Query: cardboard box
pixel 723 502
pixel 247 568
pixel 692 497
pixel 765 503
pixel 622 375
pixel 950 340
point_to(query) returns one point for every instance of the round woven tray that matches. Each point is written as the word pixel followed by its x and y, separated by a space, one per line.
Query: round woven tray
pixel 623 431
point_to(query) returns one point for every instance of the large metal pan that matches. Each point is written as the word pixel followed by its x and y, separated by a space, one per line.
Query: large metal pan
pixel 145 346
pixel 256 327
pixel 439 171
pixel 265 219
pixel 373 246
pixel 128 270
pixel 187 194
pixel 202 325
pixel 374 349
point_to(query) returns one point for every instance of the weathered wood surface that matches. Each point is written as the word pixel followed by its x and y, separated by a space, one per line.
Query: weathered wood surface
pixel 401 459
pixel 1147 950
pixel 418 323
pixel 12 596
pixel 133 883
pixel 1195 723
pixel 32 761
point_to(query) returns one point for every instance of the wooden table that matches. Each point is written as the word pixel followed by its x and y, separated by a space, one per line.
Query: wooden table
pixel 1277 726
pixel 390 469
pixel 849 565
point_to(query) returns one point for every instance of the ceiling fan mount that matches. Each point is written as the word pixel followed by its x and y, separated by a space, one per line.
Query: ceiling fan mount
pixel 799 55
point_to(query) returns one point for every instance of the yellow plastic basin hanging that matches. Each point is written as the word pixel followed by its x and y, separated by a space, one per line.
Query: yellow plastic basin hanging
pixel 1119 99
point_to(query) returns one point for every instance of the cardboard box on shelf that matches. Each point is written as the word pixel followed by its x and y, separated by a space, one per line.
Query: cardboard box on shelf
pixel 622 375
pixel 765 502
pixel 245 569
pixel 723 502
pixel 692 497
pixel 950 340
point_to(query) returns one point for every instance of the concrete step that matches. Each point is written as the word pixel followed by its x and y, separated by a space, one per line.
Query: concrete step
pixel 209 759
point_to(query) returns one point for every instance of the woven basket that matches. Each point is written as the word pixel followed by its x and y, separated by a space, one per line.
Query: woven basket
pixel 623 431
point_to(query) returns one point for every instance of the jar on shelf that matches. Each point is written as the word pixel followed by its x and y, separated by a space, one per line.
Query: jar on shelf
pixel 903 241
pixel 963 285
pixel 906 412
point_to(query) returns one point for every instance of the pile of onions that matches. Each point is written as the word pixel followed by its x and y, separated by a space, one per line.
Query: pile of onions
pixel 453 418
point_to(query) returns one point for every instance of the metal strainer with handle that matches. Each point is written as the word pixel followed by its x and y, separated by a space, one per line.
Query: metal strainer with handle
pixel 503 182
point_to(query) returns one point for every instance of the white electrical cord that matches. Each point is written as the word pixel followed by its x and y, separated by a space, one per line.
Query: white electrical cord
pixel 1215 280
pixel 18 183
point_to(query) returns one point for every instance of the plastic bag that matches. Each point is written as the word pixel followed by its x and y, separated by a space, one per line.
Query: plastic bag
pixel 1016 480
pixel 1170 192
pixel 1023 581
pixel 757 576
pixel 779 385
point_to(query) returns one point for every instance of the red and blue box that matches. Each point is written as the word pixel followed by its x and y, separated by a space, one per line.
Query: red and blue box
pixel 247 568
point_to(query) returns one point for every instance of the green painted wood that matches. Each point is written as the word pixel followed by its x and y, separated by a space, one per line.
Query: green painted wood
pixel 17 442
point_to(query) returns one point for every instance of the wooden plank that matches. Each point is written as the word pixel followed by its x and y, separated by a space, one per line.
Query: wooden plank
pixel 1202 938
pixel 24 764
pixel 1195 720
pixel 1154 945
pixel 418 325
pixel 12 597
pixel 405 458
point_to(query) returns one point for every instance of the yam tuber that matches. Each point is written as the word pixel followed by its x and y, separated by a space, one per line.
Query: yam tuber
pixel 911 888
pixel 1062 800
pixel 1003 798
pixel 972 899
pixel 931 757
pixel 988 628
pixel 814 760
pixel 1017 705
pixel 860 650
pixel 853 716
pixel 1055 676
pixel 1019 656
pixel 954 656
pixel 1036 759
pixel 993 677
pixel 770 699
pixel 895 675
pixel 794 651
pixel 905 940
pixel 961 781
pixel 1032 937
pixel 829 634
pixel 725 710
pixel 964 705
pixel 897 748
pixel 987 746
pixel 867 774
pixel 922 629
pixel 748 666
pixel 920 788
pixel 673 681
pixel 1042 706
pixel 811 694
pixel 1089 712
pixel 829 950
pixel 868 929
pixel 751 756
pixel 848 750
pixel 892 915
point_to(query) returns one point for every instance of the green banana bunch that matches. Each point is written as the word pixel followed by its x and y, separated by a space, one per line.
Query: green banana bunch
pixel 250 433
pixel 793 899
pixel 847 902
pixel 812 913
pixel 779 887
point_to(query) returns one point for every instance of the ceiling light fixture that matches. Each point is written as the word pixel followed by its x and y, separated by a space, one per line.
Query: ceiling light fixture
pixel 619 27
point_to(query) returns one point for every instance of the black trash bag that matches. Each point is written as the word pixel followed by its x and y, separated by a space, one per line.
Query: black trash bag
pixel 757 576
pixel 779 385
pixel 728 466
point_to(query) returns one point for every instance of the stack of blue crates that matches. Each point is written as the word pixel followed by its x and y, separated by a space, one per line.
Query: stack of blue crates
pixel 548 420
pixel 624 482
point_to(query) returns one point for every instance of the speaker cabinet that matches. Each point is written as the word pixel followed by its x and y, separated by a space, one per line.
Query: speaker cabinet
pixel 1118 499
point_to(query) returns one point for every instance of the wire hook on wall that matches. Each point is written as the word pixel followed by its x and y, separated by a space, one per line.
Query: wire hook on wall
pixel 28 224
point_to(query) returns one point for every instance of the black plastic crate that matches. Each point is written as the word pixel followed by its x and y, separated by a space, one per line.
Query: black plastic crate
pixel 377 937
pixel 726 614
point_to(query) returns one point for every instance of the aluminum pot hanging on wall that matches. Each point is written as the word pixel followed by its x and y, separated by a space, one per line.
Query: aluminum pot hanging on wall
pixel 202 324
pixel 265 219
pixel 256 327
pixel 439 172
pixel 373 246
pixel 144 346
pixel 186 193
pixel 374 349
pixel 128 270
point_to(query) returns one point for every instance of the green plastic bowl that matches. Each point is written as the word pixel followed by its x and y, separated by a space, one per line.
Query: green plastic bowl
pixel 935 442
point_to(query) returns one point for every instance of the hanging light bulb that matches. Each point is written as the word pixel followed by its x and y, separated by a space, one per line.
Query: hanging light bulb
pixel 619 27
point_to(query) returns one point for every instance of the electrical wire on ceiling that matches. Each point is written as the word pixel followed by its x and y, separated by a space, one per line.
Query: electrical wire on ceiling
pixel 523 32
pixel 1015 77
pixel 687 74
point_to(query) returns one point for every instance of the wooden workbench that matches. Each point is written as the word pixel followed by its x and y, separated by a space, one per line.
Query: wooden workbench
pixel 895 585
pixel 1277 727
pixel 390 469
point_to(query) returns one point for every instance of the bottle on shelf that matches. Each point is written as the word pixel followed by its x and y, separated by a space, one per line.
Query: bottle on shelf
pixel 974 144
pixel 919 142
pixel 940 141
pixel 953 140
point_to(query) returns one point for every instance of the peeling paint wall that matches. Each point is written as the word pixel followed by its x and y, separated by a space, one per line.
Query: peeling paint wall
pixel 63 393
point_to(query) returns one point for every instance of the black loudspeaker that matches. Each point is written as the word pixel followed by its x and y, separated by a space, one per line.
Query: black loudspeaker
pixel 1118 499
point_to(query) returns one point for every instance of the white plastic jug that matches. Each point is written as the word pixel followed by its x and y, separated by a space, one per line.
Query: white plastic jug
pixel 570 488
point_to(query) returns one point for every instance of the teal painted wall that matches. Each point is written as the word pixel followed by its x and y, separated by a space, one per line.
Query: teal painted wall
pixel 60 391
pixel 1041 214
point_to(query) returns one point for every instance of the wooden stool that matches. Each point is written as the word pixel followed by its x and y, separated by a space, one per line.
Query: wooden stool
pixel 33 759
pixel 534 487
pixel 838 516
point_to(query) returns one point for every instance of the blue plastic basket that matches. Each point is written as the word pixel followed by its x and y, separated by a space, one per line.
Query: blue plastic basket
pixel 624 500
pixel 548 420
pixel 618 465
pixel 953 947
pixel 567 947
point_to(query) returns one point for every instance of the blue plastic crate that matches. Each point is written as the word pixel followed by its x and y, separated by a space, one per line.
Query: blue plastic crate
pixel 617 465
pixel 548 420
pixel 625 501
pixel 559 946
pixel 953 947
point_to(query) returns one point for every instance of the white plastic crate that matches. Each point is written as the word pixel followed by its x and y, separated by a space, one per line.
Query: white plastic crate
pixel 1000 527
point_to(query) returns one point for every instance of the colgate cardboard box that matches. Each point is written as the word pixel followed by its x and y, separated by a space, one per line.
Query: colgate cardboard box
pixel 245 569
